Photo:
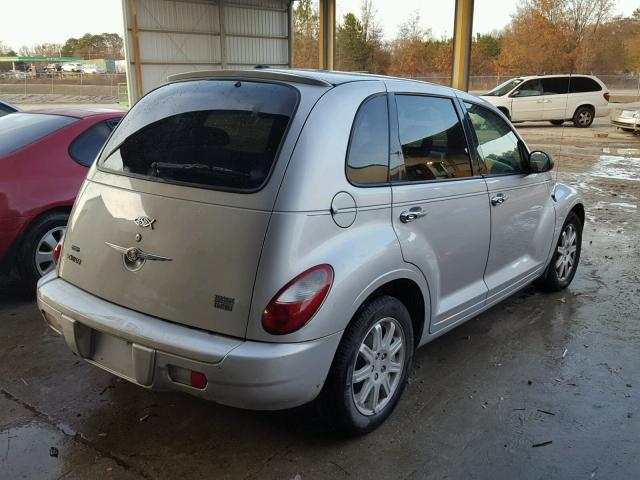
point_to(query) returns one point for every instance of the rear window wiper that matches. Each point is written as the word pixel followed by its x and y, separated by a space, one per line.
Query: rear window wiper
pixel 157 166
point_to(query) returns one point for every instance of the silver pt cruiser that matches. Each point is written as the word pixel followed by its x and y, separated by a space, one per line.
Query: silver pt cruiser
pixel 265 238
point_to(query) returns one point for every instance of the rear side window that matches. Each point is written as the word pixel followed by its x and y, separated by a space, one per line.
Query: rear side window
pixel 555 85
pixel 583 84
pixel 368 157
pixel 218 134
pixel 432 139
pixel 20 129
pixel 86 146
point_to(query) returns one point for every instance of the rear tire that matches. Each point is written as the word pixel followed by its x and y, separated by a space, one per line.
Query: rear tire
pixel 37 245
pixel 564 262
pixel 370 368
pixel 583 118
pixel 556 122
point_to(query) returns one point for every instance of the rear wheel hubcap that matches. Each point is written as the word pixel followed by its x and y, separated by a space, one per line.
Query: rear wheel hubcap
pixel 378 366
pixel 584 118
pixel 44 250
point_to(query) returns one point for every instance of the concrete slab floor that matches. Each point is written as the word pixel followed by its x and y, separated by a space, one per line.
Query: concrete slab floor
pixel 479 399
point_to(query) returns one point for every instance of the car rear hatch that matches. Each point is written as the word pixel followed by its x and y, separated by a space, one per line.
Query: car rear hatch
pixel 172 217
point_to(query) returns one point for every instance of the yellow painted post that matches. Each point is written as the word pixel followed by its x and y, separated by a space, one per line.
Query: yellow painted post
pixel 327 33
pixel 462 36
pixel 136 48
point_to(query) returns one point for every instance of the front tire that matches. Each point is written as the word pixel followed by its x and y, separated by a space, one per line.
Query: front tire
pixel 370 368
pixel 564 263
pixel 35 254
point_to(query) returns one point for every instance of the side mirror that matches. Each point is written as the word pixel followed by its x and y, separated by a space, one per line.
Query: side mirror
pixel 515 94
pixel 540 162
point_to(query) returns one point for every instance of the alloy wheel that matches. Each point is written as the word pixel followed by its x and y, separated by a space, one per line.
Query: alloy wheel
pixel 378 366
pixel 566 253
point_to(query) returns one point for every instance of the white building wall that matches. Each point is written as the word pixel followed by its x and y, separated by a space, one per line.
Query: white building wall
pixel 177 36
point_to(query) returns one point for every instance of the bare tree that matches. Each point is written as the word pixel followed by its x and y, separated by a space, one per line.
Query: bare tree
pixel 586 16
pixel 41 50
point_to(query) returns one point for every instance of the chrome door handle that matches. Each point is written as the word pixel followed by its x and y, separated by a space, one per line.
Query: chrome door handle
pixel 498 199
pixel 414 213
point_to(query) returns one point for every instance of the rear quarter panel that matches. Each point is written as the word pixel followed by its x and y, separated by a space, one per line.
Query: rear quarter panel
pixel 302 232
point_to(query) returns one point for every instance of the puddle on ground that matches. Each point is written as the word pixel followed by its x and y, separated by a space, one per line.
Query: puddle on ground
pixel 617 168
pixel 621 151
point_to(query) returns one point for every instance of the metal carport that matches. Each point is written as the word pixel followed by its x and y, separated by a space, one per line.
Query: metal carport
pixel 163 37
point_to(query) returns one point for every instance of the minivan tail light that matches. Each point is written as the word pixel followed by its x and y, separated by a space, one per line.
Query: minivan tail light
pixel 297 301
pixel 606 96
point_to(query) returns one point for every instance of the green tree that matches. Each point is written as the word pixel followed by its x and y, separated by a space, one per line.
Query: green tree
pixel 352 48
pixel 488 45
pixel 104 45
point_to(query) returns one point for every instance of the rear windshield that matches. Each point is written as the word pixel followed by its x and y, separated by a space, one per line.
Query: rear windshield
pixel 20 129
pixel 222 134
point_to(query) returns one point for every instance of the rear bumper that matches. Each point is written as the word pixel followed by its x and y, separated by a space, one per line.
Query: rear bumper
pixel 144 350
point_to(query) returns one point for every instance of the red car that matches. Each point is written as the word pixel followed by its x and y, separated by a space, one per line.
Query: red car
pixel 44 157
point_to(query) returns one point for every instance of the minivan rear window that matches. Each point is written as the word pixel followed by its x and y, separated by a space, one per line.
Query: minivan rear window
pixel 583 84
pixel 221 134
pixel 21 129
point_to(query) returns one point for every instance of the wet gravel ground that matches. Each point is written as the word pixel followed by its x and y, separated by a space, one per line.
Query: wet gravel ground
pixel 541 386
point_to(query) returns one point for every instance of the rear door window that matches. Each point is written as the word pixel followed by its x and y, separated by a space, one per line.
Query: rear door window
pixel 368 157
pixel 86 146
pixel 220 134
pixel 555 85
pixel 21 129
pixel 433 143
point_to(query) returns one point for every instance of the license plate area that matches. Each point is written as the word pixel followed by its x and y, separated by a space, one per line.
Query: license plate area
pixel 113 353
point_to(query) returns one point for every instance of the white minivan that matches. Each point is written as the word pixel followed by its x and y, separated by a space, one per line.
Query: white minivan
pixel 554 98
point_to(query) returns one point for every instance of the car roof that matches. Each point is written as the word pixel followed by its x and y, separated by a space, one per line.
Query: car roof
pixel 528 77
pixel 325 78
pixel 76 112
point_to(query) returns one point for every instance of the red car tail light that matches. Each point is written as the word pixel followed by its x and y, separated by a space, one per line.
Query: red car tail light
pixel 297 301
pixel 606 96
pixel 56 251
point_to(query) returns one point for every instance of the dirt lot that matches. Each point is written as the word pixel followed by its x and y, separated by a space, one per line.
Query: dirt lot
pixel 479 401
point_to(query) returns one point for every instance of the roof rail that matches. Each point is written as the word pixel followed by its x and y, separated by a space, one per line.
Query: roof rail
pixel 261 73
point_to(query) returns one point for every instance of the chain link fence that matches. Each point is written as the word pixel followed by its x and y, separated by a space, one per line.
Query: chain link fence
pixel 112 87
pixel 105 86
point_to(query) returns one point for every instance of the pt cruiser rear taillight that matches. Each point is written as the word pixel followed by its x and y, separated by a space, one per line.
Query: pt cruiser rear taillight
pixel 297 301
pixel 57 250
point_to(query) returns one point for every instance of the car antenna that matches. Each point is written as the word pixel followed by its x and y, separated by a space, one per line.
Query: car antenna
pixel 566 106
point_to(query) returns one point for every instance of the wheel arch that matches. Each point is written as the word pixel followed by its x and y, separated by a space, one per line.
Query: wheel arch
pixel 505 112
pixel 584 105
pixel 412 297
pixel 15 246
pixel 578 209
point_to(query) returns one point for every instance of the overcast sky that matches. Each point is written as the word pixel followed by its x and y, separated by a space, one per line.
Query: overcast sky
pixel 27 22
